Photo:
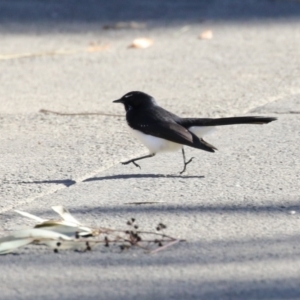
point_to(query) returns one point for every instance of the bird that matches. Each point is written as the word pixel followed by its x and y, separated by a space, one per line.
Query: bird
pixel 162 131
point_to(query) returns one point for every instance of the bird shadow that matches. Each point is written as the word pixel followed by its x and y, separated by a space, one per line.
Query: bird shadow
pixel 70 182
pixel 130 176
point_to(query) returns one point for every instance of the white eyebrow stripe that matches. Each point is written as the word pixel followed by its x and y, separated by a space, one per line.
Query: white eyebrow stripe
pixel 127 96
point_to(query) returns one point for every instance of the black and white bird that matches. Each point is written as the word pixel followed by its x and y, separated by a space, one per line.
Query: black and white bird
pixel 160 130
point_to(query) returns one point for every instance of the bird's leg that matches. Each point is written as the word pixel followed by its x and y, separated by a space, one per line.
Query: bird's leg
pixel 185 162
pixel 138 158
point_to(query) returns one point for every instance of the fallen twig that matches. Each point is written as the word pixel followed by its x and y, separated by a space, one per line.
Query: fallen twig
pixel 92 48
pixel 165 246
pixel 47 111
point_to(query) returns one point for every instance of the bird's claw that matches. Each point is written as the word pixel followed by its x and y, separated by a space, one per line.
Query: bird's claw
pixel 185 164
pixel 131 161
pixel 136 164
pixel 190 160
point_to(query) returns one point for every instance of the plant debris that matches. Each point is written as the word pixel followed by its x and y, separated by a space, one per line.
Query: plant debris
pixel 206 35
pixel 141 43
pixel 69 234
pixel 96 47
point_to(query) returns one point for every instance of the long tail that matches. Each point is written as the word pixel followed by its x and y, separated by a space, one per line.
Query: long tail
pixel 199 143
pixel 188 122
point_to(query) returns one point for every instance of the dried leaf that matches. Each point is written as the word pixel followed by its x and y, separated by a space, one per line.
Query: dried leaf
pixel 30 216
pixel 65 214
pixel 94 47
pixel 141 43
pixel 12 243
pixel 64 227
pixel 206 35
pixel 38 234
pixel 26 236
pixel 69 225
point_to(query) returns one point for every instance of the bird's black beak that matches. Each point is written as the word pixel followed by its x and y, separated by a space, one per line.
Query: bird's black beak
pixel 119 101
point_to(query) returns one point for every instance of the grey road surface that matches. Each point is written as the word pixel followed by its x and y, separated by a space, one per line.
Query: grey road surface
pixel 238 209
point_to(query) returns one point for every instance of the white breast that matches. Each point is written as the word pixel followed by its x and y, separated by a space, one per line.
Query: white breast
pixel 155 144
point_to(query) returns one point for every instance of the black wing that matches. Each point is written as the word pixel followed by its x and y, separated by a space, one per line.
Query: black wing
pixel 160 123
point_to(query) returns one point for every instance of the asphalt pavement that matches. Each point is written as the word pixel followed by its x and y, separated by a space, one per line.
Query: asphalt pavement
pixel 238 209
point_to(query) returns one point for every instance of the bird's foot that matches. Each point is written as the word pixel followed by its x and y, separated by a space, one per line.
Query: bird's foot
pixel 131 161
pixel 185 164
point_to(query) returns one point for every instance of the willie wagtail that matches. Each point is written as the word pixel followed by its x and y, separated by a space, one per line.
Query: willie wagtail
pixel 160 130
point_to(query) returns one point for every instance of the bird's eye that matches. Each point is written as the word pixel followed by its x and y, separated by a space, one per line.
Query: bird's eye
pixel 127 96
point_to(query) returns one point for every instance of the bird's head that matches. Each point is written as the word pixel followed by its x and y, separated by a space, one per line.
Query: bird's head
pixel 133 100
